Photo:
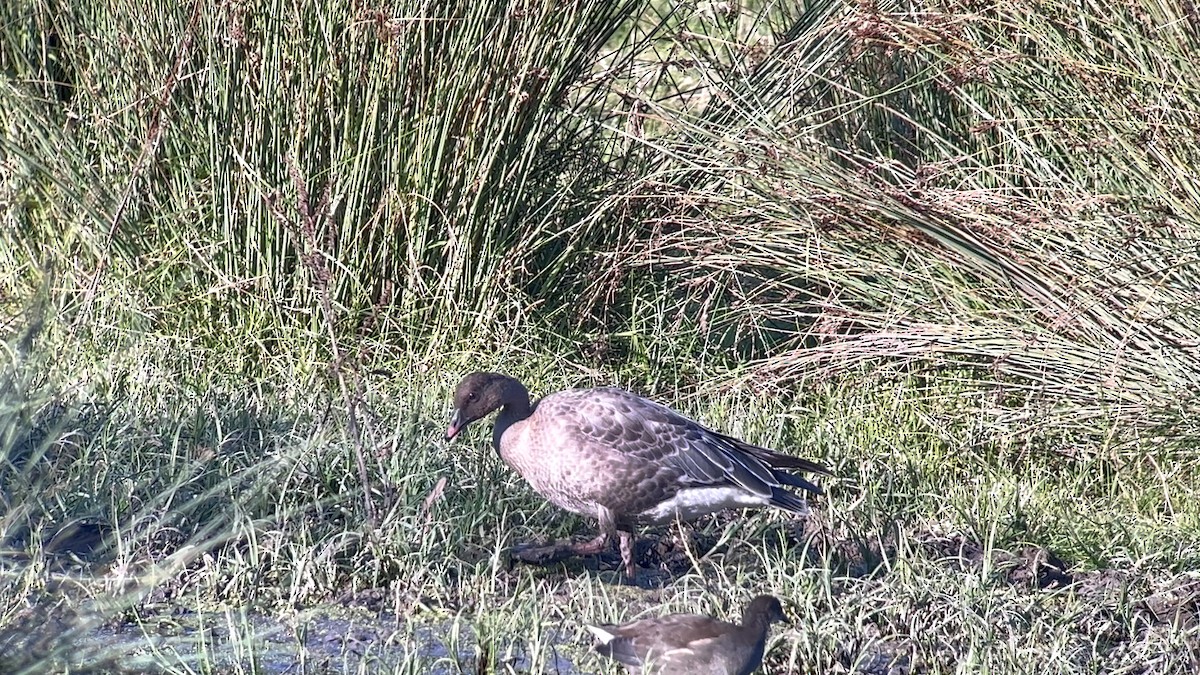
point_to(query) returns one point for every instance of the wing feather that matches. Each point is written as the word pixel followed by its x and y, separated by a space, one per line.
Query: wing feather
pixel 644 430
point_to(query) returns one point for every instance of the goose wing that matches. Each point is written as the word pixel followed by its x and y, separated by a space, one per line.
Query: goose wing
pixel 651 434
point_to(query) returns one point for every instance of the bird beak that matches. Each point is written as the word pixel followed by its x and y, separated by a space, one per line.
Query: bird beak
pixel 456 425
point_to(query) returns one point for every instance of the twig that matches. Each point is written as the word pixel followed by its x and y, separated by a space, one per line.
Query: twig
pixel 312 257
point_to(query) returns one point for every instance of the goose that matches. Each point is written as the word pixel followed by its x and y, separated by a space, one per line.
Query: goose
pixel 692 644
pixel 614 456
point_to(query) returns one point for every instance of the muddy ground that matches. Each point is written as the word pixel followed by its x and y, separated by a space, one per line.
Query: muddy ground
pixel 355 630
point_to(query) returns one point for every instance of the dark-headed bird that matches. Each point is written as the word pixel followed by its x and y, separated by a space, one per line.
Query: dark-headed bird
pixel 691 644
pixel 622 459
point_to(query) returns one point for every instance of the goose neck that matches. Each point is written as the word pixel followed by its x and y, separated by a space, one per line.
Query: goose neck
pixel 516 407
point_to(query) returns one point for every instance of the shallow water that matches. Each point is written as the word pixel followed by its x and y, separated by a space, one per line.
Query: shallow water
pixel 313 643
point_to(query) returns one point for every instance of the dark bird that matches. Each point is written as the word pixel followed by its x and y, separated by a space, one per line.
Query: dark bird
pixel 692 644
pixel 619 458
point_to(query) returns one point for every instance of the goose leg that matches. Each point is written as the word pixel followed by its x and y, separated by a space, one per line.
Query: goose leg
pixel 560 550
pixel 627 540
pixel 591 547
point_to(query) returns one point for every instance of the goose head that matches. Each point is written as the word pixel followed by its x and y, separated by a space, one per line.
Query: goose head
pixel 479 394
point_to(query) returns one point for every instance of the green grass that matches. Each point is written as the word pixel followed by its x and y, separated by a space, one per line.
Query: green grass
pixel 246 500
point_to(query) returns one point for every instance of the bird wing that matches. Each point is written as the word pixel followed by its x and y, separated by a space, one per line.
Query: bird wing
pixel 646 432
pixel 658 640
